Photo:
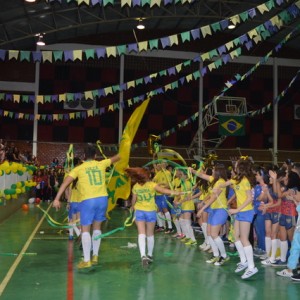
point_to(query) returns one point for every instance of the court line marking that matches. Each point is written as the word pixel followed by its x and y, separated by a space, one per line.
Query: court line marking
pixel 12 269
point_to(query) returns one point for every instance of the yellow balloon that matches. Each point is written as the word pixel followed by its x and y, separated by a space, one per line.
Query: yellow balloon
pixel 18 191
pixel 7 197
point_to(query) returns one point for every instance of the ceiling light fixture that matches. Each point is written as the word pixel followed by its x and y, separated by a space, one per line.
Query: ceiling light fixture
pixel 31 1
pixel 40 41
pixel 231 26
pixel 140 25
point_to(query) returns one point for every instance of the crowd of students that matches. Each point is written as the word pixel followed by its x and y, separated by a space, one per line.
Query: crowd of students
pixel 252 206
pixel 257 202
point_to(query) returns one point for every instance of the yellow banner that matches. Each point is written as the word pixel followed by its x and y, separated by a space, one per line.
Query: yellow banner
pixel 119 185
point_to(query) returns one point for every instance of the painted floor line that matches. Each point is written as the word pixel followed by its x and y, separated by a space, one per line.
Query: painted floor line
pixel 12 269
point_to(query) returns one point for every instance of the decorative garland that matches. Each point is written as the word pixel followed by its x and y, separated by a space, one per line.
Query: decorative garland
pixel 114 51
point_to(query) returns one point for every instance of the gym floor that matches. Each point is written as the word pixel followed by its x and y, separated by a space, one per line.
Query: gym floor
pixel 37 261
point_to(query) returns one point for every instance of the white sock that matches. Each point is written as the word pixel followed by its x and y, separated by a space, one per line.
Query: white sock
pixel 77 230
pixel 142 244
pixel 239 247
pixel 268 243
pixel 273 250
pixel 86 241
pixel 96 243
pixel 159 220
pixel 71 230
pixel 191 230
pixel 150 244
pixel 177 225
pixel 204 230
pixel 278 243
pixel 168 217
pixel 220 244
pixel 213 245
pixel 283 250
pixel 249 255
pixel 183 227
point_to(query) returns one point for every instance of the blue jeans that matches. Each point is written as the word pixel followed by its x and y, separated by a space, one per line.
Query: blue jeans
pixel 259 227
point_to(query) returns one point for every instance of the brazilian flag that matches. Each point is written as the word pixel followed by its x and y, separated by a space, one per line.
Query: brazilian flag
pixel 231 125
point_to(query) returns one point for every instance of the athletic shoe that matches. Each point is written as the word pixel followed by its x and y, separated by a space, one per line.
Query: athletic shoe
pixel 285 273
pixel 222 260
pixel 264 257
pixel 84 265
pixel 170 230
pixel 249 272
pixel 150 258
pixel 210 250
pixel 185 240
pixel 268 262
pixel 296 277
pixel 95 260
pixel 258 252
pixel 203 245
pixel 145 261
pixel 181 236
pixel 176 235
pixel 191 242
pixel 206 248
pixel 241 266
pixel 279 263
pixel 213 259
pixel 159 229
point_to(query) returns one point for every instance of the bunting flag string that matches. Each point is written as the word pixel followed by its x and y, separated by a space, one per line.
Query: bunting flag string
pixel 262 31
pixel 141 98
pixel 114 51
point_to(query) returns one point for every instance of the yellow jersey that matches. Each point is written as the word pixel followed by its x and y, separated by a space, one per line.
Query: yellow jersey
pixel 91 178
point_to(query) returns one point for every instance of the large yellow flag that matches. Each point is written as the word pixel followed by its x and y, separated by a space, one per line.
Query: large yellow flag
pixel 119 185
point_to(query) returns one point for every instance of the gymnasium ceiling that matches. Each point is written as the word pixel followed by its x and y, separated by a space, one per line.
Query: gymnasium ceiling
pixel 66 21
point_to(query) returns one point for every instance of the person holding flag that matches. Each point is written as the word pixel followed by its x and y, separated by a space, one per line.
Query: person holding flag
pixel 91 186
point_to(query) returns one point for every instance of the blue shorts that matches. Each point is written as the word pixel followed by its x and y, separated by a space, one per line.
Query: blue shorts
pixel 273 217
pixel 145 216
pixel 245 216
pixel 208 209
pixel 93 210
pixel 287 221
pixel 217 217
pixel 73 210
pixel 161 202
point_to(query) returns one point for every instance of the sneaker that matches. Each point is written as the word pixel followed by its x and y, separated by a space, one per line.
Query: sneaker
pixel 159 229
pixel 222 260
pixel 191 243
pixel 176 235
pixel 249 272
pixel 264 257
pixel 150 258
pixel 84 265
pixel 210 250
pixel 285 273
pixel 258 252
pixel 279 263
pixel 181 236
pixel 95 260
pixel 206 248
pixel 168 231
pixel 268 262
pixel 296 277
pixel 185 240
pixel 145 261
pixel 203 245
pixel 241 266
pixel 213 259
